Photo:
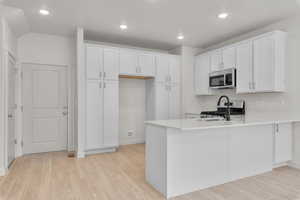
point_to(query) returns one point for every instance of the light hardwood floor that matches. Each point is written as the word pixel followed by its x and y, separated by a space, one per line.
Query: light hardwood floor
pixel 120 176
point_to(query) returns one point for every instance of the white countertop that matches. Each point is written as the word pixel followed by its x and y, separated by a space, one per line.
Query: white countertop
pixel 197 124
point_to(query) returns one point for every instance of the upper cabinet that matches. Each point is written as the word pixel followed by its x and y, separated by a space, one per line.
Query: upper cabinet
pixel 102 63
pixel 260 64
pixel 167 68
pixel 224 58
pixel 201 74
pixel 136 63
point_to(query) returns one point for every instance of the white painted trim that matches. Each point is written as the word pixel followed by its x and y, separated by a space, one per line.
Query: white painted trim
pixel 80 155
pixel 3 172
pixel 70 134
pixel 294 165
pixel 98 151
pixel 280 165
pixel 126 141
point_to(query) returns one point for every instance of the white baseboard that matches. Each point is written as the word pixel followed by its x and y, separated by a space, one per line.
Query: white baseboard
pixel 80 154
pixel 2 172
pixel 126 141
pixel 294 165
pixel 98 151
pixel 280 165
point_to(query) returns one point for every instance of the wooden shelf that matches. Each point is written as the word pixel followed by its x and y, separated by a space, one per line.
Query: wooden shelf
pixel 136 77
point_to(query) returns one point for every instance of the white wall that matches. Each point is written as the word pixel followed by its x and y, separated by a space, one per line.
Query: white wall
pixel 132 110
pixel 53 50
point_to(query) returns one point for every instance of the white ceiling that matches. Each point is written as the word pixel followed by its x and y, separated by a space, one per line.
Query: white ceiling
pixel 154 23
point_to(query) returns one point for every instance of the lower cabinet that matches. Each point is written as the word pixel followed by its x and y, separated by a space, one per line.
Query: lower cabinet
pixel 250 150
pixel 283 143
pixel 102 114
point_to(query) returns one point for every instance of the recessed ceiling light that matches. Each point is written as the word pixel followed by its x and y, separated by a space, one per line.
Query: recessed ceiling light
pixel 44 12
pixel 123 26
pixel 223 15
pixel 180 37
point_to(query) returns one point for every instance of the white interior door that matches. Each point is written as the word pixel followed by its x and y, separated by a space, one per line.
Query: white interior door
pixel 45 113
pixel 11 110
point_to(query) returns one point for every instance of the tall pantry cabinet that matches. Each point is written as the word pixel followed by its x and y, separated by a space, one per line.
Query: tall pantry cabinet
pixel 163 93
pixel 102 93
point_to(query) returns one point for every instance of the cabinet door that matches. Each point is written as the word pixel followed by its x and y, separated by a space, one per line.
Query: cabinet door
pixel 162 68
pixel 111 64
pixel 250 151
pixel 111 113
pixel 263 64
pixel 283 142
pixel 161 101
pixel 229 57
pixel 94 115
pixel 94 62
pixel 174 69
pixel 128 62
pixel 216 60
pixel 146 65
pixel 201 74
pixel 244 67
pixel 174 101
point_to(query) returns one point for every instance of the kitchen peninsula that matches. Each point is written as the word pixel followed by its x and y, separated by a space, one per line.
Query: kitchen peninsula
pixel 186 155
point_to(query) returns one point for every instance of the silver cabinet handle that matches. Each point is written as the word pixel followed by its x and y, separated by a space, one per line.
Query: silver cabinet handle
pixel 100 74
pixel 104 74
pixel 104 85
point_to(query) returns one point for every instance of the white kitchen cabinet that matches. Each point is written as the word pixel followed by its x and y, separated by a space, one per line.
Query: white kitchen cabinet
pixel 263 59
pixel 128 62
pixel 167 68
pixel 174 101
pixel 201 75
pixel 110 64
pixel 224 58
pixel 250 150
pixel 216 60
pixel 94 61
pixel 163 101
pixel 244 68
pixel 136 63
pixel 102 63
pixel 229 57
pixel 102 114
pixel 146 64
pixel 111 113
pixel 94 115
pixel 283 143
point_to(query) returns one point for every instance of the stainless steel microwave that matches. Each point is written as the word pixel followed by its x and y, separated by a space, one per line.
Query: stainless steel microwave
pixel 223 79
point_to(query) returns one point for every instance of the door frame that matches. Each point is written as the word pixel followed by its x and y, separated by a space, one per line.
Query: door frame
pixel 6 57
pixel 70 97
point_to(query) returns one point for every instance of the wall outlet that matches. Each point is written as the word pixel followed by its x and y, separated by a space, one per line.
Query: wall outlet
pixel 130 133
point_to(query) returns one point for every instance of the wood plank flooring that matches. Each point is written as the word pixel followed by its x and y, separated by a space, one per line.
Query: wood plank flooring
pixel 120 176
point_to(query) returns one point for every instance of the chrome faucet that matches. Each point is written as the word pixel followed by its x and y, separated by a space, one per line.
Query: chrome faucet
pixel 227 113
